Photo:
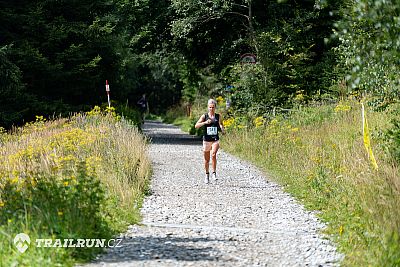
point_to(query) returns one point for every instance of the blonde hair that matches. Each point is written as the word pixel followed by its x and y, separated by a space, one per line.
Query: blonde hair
pixel 212 101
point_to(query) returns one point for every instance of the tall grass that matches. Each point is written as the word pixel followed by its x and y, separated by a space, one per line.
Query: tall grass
pixel 81 177
pixel 318 154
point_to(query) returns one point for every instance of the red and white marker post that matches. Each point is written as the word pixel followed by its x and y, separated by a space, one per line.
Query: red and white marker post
pixel 108 94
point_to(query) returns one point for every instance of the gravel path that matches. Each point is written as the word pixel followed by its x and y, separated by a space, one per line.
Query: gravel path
pixel 240 220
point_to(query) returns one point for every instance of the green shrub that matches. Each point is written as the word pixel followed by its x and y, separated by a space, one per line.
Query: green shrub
pixel 393 138
pixel 59 207
pixel 77 178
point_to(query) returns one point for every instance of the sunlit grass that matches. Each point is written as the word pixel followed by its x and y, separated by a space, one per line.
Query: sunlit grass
pixel 318 155
pixel 81 177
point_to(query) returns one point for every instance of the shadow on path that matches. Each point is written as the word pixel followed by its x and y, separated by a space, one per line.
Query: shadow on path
pixel 136 249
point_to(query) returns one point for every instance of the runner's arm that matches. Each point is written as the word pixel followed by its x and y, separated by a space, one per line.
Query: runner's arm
pixel 221 124
pixel 200 122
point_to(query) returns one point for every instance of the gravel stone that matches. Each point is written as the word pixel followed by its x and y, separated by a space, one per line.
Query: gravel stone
pixel 242 219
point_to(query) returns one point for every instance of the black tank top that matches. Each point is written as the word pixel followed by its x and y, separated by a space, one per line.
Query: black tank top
pixel 211 130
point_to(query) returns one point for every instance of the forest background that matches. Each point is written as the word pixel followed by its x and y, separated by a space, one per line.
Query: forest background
pixel 55 56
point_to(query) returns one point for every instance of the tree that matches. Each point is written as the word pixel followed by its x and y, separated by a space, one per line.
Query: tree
pixel 63 50
pixel 286 36
pixel 370 48
pixel 12 92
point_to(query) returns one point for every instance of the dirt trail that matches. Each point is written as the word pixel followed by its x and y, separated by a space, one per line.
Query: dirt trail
pixel 243 219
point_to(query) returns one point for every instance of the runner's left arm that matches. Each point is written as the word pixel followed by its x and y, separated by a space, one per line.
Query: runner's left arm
pixel 221 124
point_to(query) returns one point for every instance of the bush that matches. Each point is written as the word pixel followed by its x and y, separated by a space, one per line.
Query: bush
pixel 393 140
pixel 63 207
pixel 82 177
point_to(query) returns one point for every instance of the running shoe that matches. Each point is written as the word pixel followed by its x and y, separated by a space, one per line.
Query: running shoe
pixel 214 176
pixel 207 178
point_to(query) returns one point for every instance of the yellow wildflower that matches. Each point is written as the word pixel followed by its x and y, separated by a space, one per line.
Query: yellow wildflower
pixel 259 121
pixel 95 111
pixel 40 118
pixel 299 96
pixel 220 100
pixel 341 230
pixel 229 122
pixel 316 159
pixel 342 108
pixel 274 122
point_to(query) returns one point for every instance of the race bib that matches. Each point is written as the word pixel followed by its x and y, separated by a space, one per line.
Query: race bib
pixel 212 130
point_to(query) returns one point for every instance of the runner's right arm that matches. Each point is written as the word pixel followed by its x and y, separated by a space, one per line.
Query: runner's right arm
pixel 201 122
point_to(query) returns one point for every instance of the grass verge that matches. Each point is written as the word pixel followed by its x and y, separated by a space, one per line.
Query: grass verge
pixel 318 155
pixel 77 178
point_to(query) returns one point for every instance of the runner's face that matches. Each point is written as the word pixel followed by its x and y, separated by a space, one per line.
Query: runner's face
pixel 211 108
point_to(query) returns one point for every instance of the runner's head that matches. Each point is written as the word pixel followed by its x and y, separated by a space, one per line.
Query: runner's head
pixel 212 105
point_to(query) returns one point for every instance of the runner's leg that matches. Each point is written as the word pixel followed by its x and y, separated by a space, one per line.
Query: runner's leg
pixel 207 161
pixel 215 147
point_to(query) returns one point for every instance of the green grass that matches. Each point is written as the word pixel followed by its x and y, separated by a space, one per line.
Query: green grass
pixel 178 117
pixel 318 155
pixel 81 177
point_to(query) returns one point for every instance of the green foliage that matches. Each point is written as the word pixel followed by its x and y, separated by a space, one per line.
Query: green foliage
pixel 118 111
pixel 12 91
pixel 189 82
pixel 128 113
pixel 392 137
pixel 69 179
pixel 160 72
pixel 317 154
pixel 291 53
pixel 172 51
pixel 58 208
pixel 211 34
pixel 63 53
pixel 370 48
pixel 253 91
pixel 307 115
pixel 191 14
pixel 178 116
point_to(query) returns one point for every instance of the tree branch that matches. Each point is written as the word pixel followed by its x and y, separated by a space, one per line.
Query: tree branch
pixel 239 5
pixel 237 13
